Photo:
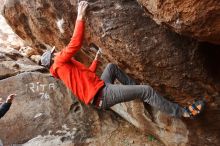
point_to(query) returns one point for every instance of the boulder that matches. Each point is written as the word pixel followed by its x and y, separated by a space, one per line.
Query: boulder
pixel 180 68
pixel 41 104
pixel 195 18
pixel 8 38
pixel 12 63
pixel 118 132
pixel 37 21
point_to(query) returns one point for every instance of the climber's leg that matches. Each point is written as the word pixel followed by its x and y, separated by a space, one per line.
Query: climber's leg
pixel 113 94
pixel 113 72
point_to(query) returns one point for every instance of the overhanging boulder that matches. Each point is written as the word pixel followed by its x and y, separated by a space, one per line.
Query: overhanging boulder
pixel 195 18
pixel 178 67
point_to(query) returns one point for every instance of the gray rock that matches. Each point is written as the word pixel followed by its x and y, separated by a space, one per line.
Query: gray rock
pixel 36 93
pixel 12 63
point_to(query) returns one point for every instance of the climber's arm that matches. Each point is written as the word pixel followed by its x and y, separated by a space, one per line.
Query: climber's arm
pixel 77 38
pixel 94 64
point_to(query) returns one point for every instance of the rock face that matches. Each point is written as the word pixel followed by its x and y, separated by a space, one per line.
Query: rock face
pixel 12 63
pixel 199 19
pixel 180 68
pixel 48 98
pixel 40 27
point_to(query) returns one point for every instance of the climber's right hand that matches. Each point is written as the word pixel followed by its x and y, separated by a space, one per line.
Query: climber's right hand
pixel 82 10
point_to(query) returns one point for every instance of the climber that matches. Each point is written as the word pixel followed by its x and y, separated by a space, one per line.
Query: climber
pixel 102 92
pixel 5 106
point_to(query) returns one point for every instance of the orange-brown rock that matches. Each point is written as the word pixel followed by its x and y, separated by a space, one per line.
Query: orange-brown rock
pixel 180 68
pixel 195 18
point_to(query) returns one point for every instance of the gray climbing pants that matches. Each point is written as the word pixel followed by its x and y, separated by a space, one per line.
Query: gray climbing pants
pixel 112 93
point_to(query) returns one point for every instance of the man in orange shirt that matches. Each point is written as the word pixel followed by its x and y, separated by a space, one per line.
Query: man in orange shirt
pixel 102 92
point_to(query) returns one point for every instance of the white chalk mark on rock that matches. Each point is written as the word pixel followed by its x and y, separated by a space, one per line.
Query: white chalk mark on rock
pixel 60 25
pixel 38 115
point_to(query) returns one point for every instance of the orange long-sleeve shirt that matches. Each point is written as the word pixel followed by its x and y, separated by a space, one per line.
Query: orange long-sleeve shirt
pixel 82 81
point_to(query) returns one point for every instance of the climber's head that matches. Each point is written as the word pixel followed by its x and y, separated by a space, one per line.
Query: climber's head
pixel 47 58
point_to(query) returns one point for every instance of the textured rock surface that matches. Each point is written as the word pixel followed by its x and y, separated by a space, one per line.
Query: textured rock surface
pixel 39 99
pixel 199 19
pixel 11 60
pixel 180 68
pixel 8 38
pixel 122 135
pixel 12 63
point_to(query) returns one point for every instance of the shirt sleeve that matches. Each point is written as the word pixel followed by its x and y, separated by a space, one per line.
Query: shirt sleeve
pixel 93 66
pixel 74 45
pixel 4 108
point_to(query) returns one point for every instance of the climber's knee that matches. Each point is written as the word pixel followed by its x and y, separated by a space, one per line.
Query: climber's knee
pixel 148 88
pixel 146 93
pixel 111 66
